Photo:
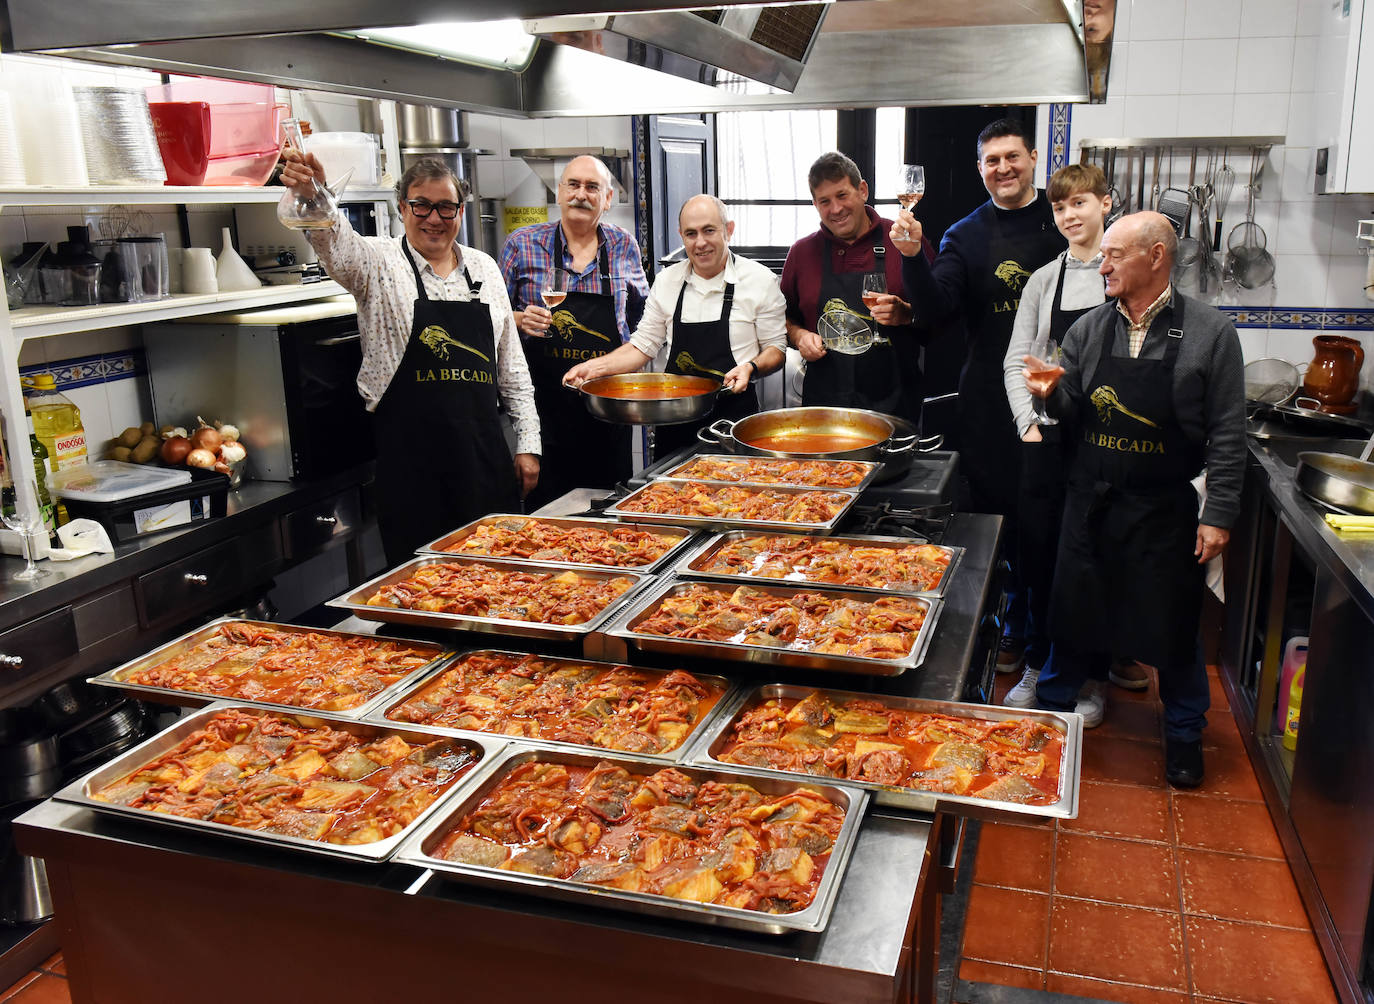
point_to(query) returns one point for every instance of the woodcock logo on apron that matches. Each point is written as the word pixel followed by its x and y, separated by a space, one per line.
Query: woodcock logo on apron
pixel 1012 274
pixel 1105 400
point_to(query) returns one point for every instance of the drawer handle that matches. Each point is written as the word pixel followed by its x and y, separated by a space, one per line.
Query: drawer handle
pixel 327 520
pixel 195 578
pixel 11 660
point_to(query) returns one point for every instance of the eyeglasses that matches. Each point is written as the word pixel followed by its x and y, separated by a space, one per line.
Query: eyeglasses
pixel 421 208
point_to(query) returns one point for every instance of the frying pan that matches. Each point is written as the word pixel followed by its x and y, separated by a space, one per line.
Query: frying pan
pixel 1347 483
pixel 600 397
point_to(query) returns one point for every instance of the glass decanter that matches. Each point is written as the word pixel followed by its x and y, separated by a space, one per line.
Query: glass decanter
pixel 318 210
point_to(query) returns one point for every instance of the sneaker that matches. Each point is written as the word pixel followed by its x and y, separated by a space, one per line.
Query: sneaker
pixel 1129 675
pixel 1092 701
pixel 1023 694
pixel 1183 762
pixel 1011 655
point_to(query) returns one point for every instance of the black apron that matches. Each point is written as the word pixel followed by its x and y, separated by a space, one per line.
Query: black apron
pixel 1043 475
pixel 990 455
pixel 442 458
pixel 1127 579
pixel 698 346
pixel 579 451
pixel 872 379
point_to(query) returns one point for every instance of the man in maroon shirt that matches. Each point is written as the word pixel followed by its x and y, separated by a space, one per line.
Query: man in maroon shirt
pixel 825 272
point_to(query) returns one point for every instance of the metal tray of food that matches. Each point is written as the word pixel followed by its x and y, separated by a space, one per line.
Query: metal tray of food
pixel 119 676
pixel 81 792
pixel 380 712
pixel 872 470
pixel 447 545
pixel 422 841
pixel 645 603
pixel 727 523
pixel 692 562
pixel 713 740
pixel 355 600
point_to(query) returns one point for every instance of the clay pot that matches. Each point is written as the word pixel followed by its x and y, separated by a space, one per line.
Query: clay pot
pixel 1333 378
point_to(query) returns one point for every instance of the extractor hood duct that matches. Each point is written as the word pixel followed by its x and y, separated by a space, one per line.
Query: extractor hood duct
pixel 766 44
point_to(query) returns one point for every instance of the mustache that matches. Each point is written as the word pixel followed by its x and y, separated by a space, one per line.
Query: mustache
pixel 581 204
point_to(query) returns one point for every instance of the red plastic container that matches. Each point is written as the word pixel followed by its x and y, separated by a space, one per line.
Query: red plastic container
pixel 183 138
pixel 245 126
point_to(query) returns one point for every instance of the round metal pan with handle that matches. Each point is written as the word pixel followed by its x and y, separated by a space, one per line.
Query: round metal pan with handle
pixel 1344 483
pixel 650 398
pixel 829 433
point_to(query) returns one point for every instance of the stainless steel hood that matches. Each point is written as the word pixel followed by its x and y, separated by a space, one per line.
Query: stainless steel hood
pixel 867 53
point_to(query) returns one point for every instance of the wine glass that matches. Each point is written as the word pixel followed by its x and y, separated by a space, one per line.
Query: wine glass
pixel 1042 374
pixel 874 286
pixel 556 285
pixel 26 527
pixel 911 185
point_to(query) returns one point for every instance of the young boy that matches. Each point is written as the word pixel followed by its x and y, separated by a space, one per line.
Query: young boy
pixel 1055 296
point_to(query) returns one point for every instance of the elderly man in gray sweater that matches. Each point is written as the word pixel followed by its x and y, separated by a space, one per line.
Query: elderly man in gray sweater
pixel 1153 392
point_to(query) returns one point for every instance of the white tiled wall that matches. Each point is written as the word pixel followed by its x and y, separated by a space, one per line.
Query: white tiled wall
pixel 1216 68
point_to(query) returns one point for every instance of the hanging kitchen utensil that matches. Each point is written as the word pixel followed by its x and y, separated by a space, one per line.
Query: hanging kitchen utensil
pixel 1140 185
pixel 1154 186
pixel 1175 203
pixel 1186 257
pixel 1222 185
pixel 1248 259
pixel 1118 206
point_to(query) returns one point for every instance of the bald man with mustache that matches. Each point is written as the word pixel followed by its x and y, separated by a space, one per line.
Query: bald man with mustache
pixel 1154 394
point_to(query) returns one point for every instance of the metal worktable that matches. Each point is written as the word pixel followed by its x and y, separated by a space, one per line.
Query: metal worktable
pixel 210 905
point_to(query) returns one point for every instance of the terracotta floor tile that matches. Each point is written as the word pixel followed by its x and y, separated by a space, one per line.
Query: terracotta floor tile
pixel 1221 732
pixel 1016 856
pixel 1224 824
pixel 1003 976
pixel 1123 993
pixel 1256 964
pixel 1006 925
pixel 20 984
pixel 1220 704
pixel 1228 772
pixel 1124 944
pixel 1118 810
pixel 47 989
pixel 1122 761
pixel 1229 887
pixel 1121 871
pixel 1128 719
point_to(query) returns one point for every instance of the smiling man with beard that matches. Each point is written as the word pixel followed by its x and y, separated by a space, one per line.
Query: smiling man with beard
pixel 984 262
pixel 604 302
pixel 440 354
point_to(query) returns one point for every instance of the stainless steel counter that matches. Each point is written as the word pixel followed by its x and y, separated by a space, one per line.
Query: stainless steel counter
pixel 1349 557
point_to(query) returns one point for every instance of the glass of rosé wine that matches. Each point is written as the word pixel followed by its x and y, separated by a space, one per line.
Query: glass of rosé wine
pixel 1042 375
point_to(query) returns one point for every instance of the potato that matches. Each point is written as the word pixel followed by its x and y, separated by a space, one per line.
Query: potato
pixel 121 453
pixel 146 450
pixel 129 438
pixel 148 429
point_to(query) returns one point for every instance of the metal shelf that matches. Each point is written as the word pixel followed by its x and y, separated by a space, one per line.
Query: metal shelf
pixel 1181 142
pixel 43 322
pixel 152 195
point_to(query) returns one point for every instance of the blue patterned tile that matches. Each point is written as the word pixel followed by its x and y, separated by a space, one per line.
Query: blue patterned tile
pixel 87 371
pixel 1061 119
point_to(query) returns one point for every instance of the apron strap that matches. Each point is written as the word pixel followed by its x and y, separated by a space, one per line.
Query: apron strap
pixel 603 256
pixel 1175 334
pixel 474 288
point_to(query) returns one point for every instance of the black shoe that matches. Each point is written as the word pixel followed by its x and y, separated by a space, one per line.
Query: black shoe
pixel 1183 762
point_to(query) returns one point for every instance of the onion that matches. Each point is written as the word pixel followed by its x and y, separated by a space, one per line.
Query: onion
pixel 174 450
pixel 228 431
pixel 231 451
pixel 223 468
pixel 206 439
pixel 200 458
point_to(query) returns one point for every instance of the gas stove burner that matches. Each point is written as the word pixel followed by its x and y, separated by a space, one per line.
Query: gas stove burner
pixel 924 523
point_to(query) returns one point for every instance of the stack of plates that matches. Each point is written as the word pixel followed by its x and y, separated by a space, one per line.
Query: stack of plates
pixel 11 160
pixel 121 147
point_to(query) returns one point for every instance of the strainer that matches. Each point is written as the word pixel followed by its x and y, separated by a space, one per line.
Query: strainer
pixel 1247 257
pixel 844 332
pixel 1270 381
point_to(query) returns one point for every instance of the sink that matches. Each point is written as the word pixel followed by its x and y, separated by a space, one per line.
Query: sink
pixel 1287 448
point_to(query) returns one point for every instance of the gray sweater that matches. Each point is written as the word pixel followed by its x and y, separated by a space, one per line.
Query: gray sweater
pixel 1209 387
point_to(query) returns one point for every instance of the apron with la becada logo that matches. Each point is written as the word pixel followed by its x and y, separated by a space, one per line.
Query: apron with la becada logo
pixel 702 348
pixel 442 458
pixel 871 380
pixel 579 450
pixel 1127 580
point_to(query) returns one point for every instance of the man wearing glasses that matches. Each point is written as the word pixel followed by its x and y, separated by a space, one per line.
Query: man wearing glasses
pixel 440 353
pixel 606 290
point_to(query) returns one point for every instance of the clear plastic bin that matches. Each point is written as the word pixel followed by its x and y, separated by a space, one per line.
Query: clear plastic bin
pixel 245 126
